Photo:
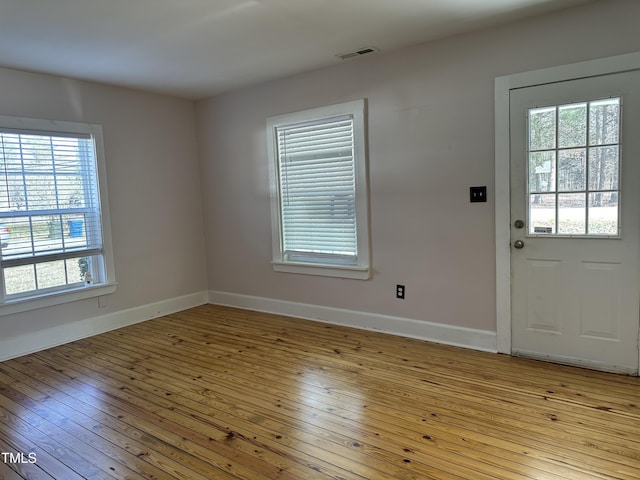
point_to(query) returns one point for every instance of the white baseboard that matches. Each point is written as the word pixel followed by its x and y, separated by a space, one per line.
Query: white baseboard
pixel 54 336
pixel 483 340
pixel 435 332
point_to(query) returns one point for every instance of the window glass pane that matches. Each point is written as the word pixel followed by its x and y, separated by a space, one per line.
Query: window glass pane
pixel 603 213
pixel 47 233
pixel 542 176
pixel 604 122
pixel 31 235
pixel 74 231
pixel 542 214
pixel 603 168
pixel 542 128
pixel 51 274
pixel 35 151
pixel 41 191
pixel 19 279
pixel 572 170
pixel 77 268
pixel 18 235
pixel 572 214
pixel 572 125
pixel 12 194
pixel 47 275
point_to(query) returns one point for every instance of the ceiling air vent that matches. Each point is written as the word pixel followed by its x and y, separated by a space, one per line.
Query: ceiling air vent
pixel 358 53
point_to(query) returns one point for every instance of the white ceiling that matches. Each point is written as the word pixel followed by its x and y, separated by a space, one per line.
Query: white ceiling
pixel 199 48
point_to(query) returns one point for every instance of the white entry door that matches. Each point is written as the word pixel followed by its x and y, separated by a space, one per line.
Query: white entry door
pixel 575 221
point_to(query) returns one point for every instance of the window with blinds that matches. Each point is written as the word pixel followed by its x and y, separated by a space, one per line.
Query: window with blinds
pixel 50 212
pixel 320 180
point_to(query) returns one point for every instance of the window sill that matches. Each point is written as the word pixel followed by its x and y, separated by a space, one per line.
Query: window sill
pixel 48 300
pixel 357 273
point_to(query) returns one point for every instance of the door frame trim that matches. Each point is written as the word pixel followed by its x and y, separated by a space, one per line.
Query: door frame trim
pixel 503 86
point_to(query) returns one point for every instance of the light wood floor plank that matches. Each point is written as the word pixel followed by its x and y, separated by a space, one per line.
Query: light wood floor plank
pixel 450 381
pixel 520 384
pixel 155 429
pixel 217 392
pixel 284 406
pixel 320 435
pixel 224 431
pixel 6 473
pixel 138 455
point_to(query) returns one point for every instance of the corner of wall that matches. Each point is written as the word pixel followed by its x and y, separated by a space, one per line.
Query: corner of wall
pixel 42 339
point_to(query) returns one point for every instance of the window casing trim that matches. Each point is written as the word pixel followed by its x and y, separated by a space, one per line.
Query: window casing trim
pixel 34 302
pixel 106 283
pixel 281 261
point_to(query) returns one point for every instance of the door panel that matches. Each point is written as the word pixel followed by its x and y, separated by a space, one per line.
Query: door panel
pixel 542 295
pixel 599 314
pixel 575 171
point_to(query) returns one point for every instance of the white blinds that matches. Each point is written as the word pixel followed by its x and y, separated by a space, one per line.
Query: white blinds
pixel 317 191
pixel 49 201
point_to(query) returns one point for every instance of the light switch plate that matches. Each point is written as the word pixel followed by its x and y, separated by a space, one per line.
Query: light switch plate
pixel 478 194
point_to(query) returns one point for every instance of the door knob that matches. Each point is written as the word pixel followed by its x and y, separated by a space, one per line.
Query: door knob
pixel 518 244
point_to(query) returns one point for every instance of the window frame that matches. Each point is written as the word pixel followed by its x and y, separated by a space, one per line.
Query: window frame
pixel 99 286
pixel 362 269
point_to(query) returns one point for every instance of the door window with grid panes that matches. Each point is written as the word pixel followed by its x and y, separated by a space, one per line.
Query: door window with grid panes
pixel 574 168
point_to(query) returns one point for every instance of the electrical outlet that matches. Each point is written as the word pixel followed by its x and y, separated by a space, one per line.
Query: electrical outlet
pixel 400 291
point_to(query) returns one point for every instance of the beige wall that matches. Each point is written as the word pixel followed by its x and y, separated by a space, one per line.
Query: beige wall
pixel 153 179
pixel 431 136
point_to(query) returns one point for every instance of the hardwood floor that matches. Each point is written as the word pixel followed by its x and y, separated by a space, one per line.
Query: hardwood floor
pixel 220 393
